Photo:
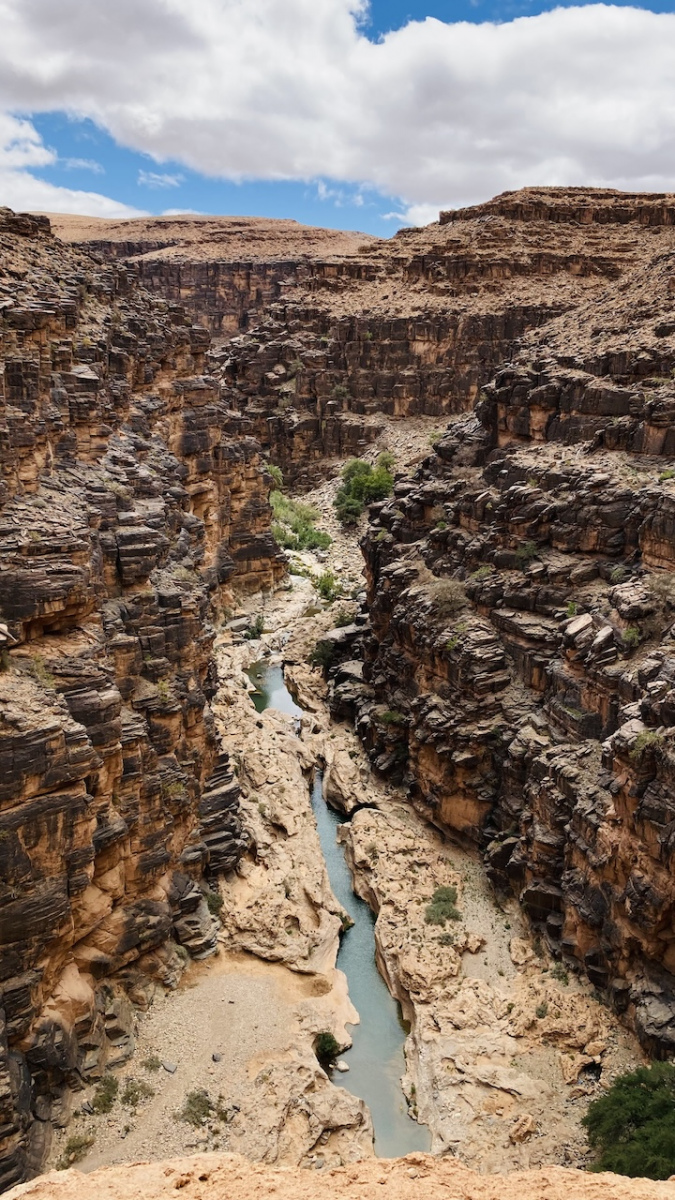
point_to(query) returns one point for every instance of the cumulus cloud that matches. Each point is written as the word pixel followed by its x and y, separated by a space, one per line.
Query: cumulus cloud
pixel 437 114
pixel 21 148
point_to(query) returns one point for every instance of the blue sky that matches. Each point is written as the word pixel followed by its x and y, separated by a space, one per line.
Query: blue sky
pixel 150 105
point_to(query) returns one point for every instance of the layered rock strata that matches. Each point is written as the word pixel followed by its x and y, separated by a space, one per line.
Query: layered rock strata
pixel 320 332
pixel 522 596
pixel 131 504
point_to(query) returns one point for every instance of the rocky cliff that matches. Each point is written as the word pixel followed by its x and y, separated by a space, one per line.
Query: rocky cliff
pixel 131 504
pixel 521 586
pixel 522 597
pixel 318 333
pixel 229 1177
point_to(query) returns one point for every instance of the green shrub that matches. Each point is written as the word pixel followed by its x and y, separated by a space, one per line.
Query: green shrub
pixel 558 972
pixel 134 1092
pixel 214 902
pixel 648 740
pixel 255 629
pixel 294 524
pixel 363 484
pixel 442 907
pixel 571 609
pixel 277 476
pixel 197 1108
pixel 326 1048
pixel 105 1095
pixel 541 1010
pixel 390 717
pixel 151 1063
pixel 631 636
pixel 322 655
pixel 328 587
pixel 525 554
pixel 482 573
pixel 669 473
pixel 617 575
pixel 342 619
pixel 75 1149
pixel 632 1127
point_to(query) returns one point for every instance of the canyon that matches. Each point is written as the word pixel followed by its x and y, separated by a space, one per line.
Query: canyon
pixel 493 715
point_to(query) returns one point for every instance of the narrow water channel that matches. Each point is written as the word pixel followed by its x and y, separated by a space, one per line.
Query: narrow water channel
pixel 376 1061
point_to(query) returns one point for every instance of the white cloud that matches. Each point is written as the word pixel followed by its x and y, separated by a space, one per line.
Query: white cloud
pixel 83 164
pixel 437 114
pixel 152 179
pixel 21 148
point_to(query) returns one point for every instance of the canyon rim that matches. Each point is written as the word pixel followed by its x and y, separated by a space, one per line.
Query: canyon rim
pixel 477 675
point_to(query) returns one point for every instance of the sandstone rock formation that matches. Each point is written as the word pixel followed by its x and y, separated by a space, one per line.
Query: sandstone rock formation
pixel 228 1177
pixel 518 675
pixel 324 330
pixel 521 592
pixel 130 503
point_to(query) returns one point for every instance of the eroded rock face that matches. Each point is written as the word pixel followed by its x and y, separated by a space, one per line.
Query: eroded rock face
pixel 522 595
pixel 319 332
pixel 130 506
pixel 225 1175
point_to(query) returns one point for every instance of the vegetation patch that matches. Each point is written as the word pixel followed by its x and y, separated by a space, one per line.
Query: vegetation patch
pixel 105 1095
pixel 525 554
pixel 75 1149
pixel 363 484
pixel 326 1048
pixel 442 907
pixel 650 740
pixel 632 1127
pixel 214 902
pixel 294 524
pixel 197 1108
pixel 135 1091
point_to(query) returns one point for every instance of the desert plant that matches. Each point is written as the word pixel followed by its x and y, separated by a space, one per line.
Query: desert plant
pixel 75 1149
pixel 214 902
pixel 632 1127
pixel 649 740
pixel 322 655
pixel 541 1010
pixel 391 717
pixel 669 473
pixel 152 1063
pixel 448 596
pixel 558 972
pixel 277 476
pixel 105 1094
pixel 255 629
pixel 525 554
pixel 326 1048
pixel 631 637
pixel 328 587
pixel 442 907
pixel 294 524
pixel 363 484
pixel 134 1091
pixel 617 575
pixel 197 1108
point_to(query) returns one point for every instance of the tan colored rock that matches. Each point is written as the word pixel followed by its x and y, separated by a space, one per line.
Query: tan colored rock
pixel 229 1177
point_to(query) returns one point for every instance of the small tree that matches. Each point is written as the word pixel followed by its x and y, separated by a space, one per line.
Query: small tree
pixel 632 1127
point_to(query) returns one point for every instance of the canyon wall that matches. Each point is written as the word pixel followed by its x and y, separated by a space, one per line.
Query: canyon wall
pixel 132 502
pixel 318 334
pixel 520 672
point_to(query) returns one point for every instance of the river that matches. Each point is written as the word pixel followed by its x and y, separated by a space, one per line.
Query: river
pixel 376 1060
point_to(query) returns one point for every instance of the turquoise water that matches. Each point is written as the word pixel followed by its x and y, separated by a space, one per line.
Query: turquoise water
pixel 376 1061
